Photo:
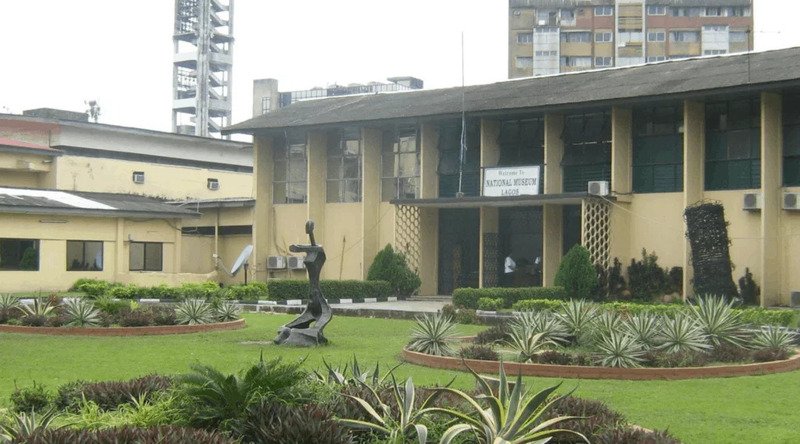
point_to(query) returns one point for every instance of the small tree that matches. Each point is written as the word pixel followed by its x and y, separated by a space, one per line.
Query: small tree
pixel 576 273
pixel 391 266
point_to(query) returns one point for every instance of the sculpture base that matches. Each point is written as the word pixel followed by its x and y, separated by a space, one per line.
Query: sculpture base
pixel 300 337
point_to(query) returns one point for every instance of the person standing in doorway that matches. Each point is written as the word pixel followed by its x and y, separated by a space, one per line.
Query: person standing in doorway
pixel 509 268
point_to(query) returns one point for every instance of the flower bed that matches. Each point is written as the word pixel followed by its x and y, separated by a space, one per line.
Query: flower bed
pixel 152 330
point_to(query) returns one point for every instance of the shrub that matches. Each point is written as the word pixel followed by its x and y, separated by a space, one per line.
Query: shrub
pixel 729 353
pixel 129 291
pixel 610 282
pixel 81 313
pixel 194 311
pixel 140 317
pixel 205 290
pixel 480 352
pixel 576 273
pixel 490 304
pixel 285 289
pixel 127 434
pixel 270 422
pixel 226 311
pixel 163 315
pixel 468 297
pixel 35 398
pixel 433 334
pixel 109 306
pixel 109 395
pixel 391 266
pixel 619 350
pixel 493 334
pixel 770 354
pixel 760 316
pixel 717 319
pixel 9 307
pixel 536 305
pixel 33 320
pixel 773 338
pixel 646 279
pixel 554 357
pixel 252 292
pixel 163 292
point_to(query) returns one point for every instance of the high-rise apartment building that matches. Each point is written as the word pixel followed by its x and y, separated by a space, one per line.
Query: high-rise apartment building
pixel 553 36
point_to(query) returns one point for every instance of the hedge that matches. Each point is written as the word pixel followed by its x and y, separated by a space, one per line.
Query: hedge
pixel 468 297
pixel 283 289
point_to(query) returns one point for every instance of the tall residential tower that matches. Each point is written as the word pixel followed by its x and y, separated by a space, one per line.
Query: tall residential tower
pixel 553 36
pixel 202 66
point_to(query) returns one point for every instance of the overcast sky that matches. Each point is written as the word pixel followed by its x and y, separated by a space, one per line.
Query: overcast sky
pixel 59 53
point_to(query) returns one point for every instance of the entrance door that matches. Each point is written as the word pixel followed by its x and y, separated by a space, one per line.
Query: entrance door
pixel 521 238
pixel 458 249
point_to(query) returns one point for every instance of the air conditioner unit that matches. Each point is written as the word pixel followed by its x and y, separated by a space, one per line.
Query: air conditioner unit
pixel 213 184
pixel 791 201
pixel 598 188
pixel 296 262
pixel 751 201
pixel 138 177
pixel 542 22
pixel 276 262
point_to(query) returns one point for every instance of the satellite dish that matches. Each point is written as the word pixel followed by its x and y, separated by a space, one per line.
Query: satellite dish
pixel 242 259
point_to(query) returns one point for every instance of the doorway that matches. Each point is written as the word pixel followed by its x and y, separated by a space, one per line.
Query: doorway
pixel 521 239
pixel 458 249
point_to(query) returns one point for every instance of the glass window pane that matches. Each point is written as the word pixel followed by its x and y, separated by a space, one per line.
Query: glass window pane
pixel 388 191
pixel 297 170
pixel 388 165
pixel 94 255
pixel 279 171
pixel 296 192
pixel 279 192
pixel 332 191
pixel 352 147
pixel 407 166
pixel 75 259
pixel 136 261
pixel 409 188
pixel 153 257
pixel 350 168
pixel 352 191
pixel 334 168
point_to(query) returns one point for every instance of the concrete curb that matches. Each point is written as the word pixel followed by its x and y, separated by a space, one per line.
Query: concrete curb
pixel 124 331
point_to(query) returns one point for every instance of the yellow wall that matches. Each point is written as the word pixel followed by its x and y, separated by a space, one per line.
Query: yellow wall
pixel 343 234
pixel 19 179
pixel 744 230
pixel 790 245
pixel 656 223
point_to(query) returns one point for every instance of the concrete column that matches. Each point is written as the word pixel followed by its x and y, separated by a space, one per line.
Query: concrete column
pixel 119 256
pixel 178 247
pixel 621 152
pixel 771 191
pixel 489 216
pixel 371 141
pixel 489 224
pixel 552 215
pixel 262 193
pixel 317 153
pixel 694 161
pixel 429 158
pixel 429 217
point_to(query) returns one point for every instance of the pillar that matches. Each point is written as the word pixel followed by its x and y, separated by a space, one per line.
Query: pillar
pixel 771 191
pixel 489 216
pixel 621 181
pixel 119 256
pixel 178 246
pixel 694 160
pixel 262 193
pixel 317 154
pixel 552 215
pixel 371 141
pixel 429 217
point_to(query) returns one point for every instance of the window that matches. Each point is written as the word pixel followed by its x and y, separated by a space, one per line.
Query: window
pixel 146 256
pixel 587 150
pixel 733 152
pixel 713 12
pixel 737 11
pixel 603 10
pixel 630 36
pixel 138 177
pixel 400 164
pixel 791 140
pixel 656 36
pixel 521 142
pixel 603 61
pixel 84 256
pixel 687 12
pixel 656 10
pixel 684 36
pixel 344 166
pixel 525 37
pixel 450 164
pixel 651 59
pixel 658 149
pixel 289 180
pixel 602 37
pixel 19 254
pixel 545 53
pixel 212 184
pixel 738 37
pixel 577 61
pixel 576 37
pixel 523 62
pixel 266 105
pixel 714 51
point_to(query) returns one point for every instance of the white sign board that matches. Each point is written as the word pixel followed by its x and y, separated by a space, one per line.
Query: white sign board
pixel 511 181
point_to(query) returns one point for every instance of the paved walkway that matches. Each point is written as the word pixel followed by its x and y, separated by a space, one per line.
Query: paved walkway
pixel 412 306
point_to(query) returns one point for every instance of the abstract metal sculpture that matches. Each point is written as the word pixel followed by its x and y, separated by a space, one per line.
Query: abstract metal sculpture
pixel 306 329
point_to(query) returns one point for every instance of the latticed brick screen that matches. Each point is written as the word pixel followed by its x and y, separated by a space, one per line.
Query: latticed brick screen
pixel 406 234
pixel 595 230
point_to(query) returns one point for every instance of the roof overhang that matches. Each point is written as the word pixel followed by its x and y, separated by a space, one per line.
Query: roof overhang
pixel 198 204
pixel 17 209
pixel 484 201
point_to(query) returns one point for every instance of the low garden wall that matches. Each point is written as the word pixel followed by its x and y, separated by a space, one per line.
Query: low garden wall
pixel 579 372
pixel 125 331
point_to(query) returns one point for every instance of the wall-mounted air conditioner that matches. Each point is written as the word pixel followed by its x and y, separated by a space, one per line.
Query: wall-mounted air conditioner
pixel 542 22
pixel 138 177
pixel 296 262
pixel 213 184
pixel 276 262
pixel 791 201
pixel 752 201
pixel 598 188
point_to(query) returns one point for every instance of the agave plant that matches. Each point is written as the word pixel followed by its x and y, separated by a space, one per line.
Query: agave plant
pixel 775 338
pixel 544 322
pixel 8 303
pixel 527 343
pixel 40 307
pixel 718 320
pixel 604 324
pixel 577 316
pixel 644 328
pixel 513 416
pixel 400 427
pixel 334 376
pixel 226 311
pixel 433 334
pixel 24 424
pixel 81 313
pixel 682 334
pixel 194 311
pixel 619 350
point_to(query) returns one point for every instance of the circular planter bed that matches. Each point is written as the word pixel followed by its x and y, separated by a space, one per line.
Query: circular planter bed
pixel 580 372
pixel 124 331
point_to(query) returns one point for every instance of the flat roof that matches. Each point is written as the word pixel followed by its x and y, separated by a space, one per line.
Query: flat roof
pixel 18 146
pixel 39 201
pixel 694 77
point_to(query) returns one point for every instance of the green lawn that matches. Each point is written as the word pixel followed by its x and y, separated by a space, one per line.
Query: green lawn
pixel 747 409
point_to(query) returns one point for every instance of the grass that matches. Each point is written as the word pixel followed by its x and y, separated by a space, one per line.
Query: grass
pixel 748 409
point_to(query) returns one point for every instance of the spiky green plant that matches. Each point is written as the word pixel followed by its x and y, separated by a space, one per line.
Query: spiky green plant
pixel 682 334
pixel 81 313
pixel 40 307
pixel 8 302
pixel 26 423
pixel 775 338
pixel 226 311
pixel 335 377
pixel 718 320
pixel 603 325
pixel 194 311
pixel 527 343
pixel 513 415
pixel 398 427
pixel 544 322
pixel 434 333
pixel 644 328
pixel 577 315
pixel 619 350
